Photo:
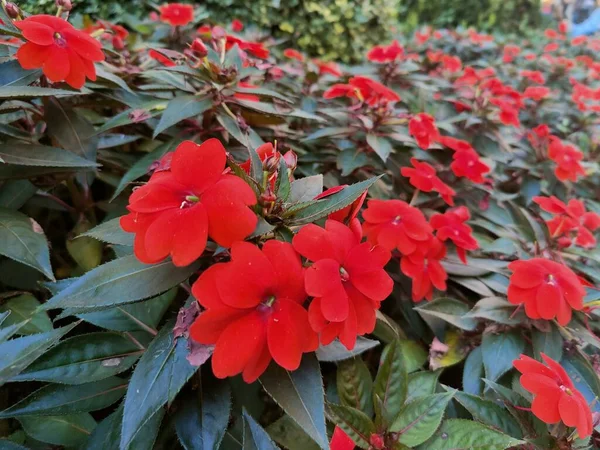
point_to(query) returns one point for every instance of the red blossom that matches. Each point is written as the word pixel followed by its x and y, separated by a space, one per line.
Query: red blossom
pixel 548 289
pixel 59 49
pixel 510 53
pixel 386 53
pixel 451 225
pixel 254 310
pixel 423 177
pixel 293 54
pixel 451 64
pixel 468 164
pixel 536 93
pixel 176 14
pixel 567 159
pixel 534 76
pixel 422 127
pixel 340 440
pixel 425 270
pixel 395 224
pixel 555 398
pixel 458 145
pixel 329 68
pixel 579 40
pixel 177 210
pixel 363 89
pixel 237 26
pixel 164 60
pixel 256 49
pixel 347 280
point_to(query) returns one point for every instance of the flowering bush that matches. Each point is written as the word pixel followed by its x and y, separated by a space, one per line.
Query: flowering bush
pixel 210 240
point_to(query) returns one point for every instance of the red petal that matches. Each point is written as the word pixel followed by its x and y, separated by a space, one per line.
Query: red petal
pixel 376 285
pixel 257 365
pixel 76 77
pixel 342 239
pixel 287 270
pixel 569 410
pixel 189 239
pixel 285 333
pixel 323 277
pixel 205 288
pixel 349 331
pixel 545 407
pixel 207 328
pixel 548 299
pixel 198 167
pixel 32 56
pixel 57 65
pixel 366 258
pixel 36 32
pixel 313 243
pixel 86 46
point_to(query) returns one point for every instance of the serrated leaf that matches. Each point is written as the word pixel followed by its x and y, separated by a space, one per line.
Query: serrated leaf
pixel 419 419
pixel 450 310
pixel 24 308
pixel 158 377
pixel 124 280
pixel 249 139
pixel 111 233
pixel 499 352
pixel 70 430
pixel 24 241
pixel 255 437
pixel 33 92
pixel 490 413
pixel 41 155
pixel 83 359
pixel 12 74
pixel 151 108
pixel 473 373
pixel 496 309
pixel 355 386
pixel 56 399
pixel 548 342
pixel 351 159
pixel 328 132
pixel 288 434
pixel 15 193
pixel 353 422
pixel 421 384
pixel 306 189
pixel 391 381
pixel 380 145
pixel 283 186
pixel 300 394
pixel 333 203
pixel 181 108
pixel 337 352
pixel 456 434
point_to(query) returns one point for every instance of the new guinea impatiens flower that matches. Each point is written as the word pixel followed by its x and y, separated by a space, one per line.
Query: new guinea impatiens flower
pixel 176 14
pixel 293 54
pixel 424 177
pixel 535 76
pixel 547 289
pixel 254 310
pixel 363 89
pixel 425 270
pixel 347 280
pixel 328 68
pixel 567 159
pixel 386 53
pixel 555 398
pixel 63 52
pixel 180 208
pixel 570 219
pixel 422 127
pixel 451 225
pixel 340 440
pixel 537 93
pixel 468 164
pixel 158 56
pixel 395 224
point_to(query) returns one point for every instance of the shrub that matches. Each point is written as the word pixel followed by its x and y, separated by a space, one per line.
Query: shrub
pixel 205 245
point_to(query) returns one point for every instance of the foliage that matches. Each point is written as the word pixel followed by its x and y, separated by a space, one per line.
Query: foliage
pixel 370 253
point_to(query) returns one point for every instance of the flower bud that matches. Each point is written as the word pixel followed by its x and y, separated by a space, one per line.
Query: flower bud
pixel 199 48
pixel 12 10
pixel 65 5
pixel 376 441
pixel 267 198
pixel 118 43
pixel 271 164
pixel 291 159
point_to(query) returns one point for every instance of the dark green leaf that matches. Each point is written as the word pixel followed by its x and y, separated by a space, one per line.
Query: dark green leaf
pixel 353 422
pixel 328 132
pixel 391 382
pixel 490 413
pixel 33 92
pixel 499 352
pixel 380 145
pixel 255 437
pixel 15 193
pixel 496 309
pixel 289 435
pixel 24 308
pixel 355 386
pixel 41 155
pixel 181 108
pixel 549 342
pixel 306 189
pixel 421 384
pixel 449 310
pixel 70 431
pixel 351 159
pixel 337 352
pixel 111 232
pixel 12 74
pixel 129 116
pixel 283 186
pixel 456 434
pixel 473 373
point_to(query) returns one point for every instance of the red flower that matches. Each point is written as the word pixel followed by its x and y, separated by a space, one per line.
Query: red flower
pixel 177 210
pixel 256 49
pixel 176 14
pixel 330 68
pixel 63 52
pixel 534 76
pixel 293 54
pixel 237 25
pixel 422 128
pixel 386 53
pixel 347 280
pixel 395 224
pixel 424 178
pixel 340 440
pixel 552 47
pixel 555 398
pixel 458 145
pixel 570 218
pixel 548 289
pixel 254 310
pixel 567 159
pixel 348 214
pixel 536 93
pixel 451 225
pixel 364 89
pixel 510 53
pixel 467 164
pixel 451 64
pixel 199 48
pixel 425 270
pixel 164 60
pixel 579 40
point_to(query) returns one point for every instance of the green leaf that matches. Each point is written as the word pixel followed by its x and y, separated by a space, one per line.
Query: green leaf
pixel 181 108
pixel 15 193
pixel 12 74
pixel 549 342
pixel 421 384
pixel 306 189
pixel 353 422
pixel 449 310
pixel 283 186
pixel 499 352
pixel 262 92
pixel 456 434
pixel 24 241
pixel 24 308
pixel 33 92
pixel 19 353
pixel 333 203
pixel 151 108
pixel 380 145
pixel 56 399
pixel 300 394
pixel 70 431
pixel 490 413
pixel 255 437
pixel 124 280
pixel 351 159
pixel 419 419
pixel 289 435
pixel 41 155
pixel 496 309
pixel 391 382
pixel 355 386
pixel 337 352
pixel 329 132
pixel 584 378
pixel 473 373
pixel 83 359
pixel 111 233
pixel 158 377
pixel 248 138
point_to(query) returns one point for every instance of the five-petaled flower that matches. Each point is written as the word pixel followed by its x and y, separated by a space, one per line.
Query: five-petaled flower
pixel 363 89
pixel 425 270
pixel 547 289
pixel 386 53
pixel 451 225
pixel 422 127
pixel 567 159
pixel 180 208
pixel 424 177
pixel 555 398
pixel 176 14
pixel 347 280
pixel 63 52
pixel 468 164
pixel 254 310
